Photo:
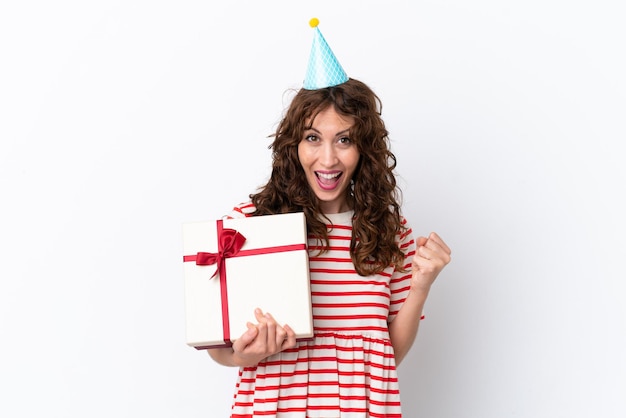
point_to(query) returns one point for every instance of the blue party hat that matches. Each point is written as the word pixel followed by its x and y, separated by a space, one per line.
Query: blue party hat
pixel 324 70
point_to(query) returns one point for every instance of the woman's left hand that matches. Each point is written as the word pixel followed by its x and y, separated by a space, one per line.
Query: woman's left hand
pixel 431 256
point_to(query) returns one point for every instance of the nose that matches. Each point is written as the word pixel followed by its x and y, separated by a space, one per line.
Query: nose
pixel 328 155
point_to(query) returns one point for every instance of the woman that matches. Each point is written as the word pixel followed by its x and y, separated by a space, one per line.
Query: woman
pixel 369 277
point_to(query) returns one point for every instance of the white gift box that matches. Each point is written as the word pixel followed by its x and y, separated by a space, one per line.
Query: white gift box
pixel 270 271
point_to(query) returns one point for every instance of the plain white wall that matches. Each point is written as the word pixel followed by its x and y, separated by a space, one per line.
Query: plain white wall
pixel 119 120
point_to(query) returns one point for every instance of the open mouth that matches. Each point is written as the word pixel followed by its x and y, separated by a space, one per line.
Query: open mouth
pixel 328 180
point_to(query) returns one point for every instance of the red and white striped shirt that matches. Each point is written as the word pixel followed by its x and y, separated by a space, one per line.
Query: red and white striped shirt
pixel 348 370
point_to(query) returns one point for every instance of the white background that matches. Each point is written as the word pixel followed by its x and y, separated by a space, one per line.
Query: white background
pixel 119 120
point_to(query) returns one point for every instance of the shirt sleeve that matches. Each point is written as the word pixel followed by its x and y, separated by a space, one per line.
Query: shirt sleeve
pixel 242 210
pixel 400 282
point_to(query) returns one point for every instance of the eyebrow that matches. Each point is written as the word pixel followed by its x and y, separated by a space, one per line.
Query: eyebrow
pixel 345 131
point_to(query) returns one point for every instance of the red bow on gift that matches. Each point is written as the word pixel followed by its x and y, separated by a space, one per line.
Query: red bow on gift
pixel 229 244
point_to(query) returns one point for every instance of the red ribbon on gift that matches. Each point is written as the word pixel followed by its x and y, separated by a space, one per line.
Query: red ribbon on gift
pixel 229 244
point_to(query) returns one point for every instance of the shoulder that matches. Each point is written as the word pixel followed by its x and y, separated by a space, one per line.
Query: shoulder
pixel 404 222
pixel 242 210
pixel 406 232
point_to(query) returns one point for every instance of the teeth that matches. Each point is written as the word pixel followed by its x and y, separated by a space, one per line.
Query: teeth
pixel 328 176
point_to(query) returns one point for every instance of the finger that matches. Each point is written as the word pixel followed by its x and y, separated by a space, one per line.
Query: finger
pixel 424 252
pixel 246 338
pixel 437 239
pixel 425 256
pixel 290 340
pixel 262 333
pixel 438 250
pixel 261 325
pixel 258 314
pixel 281 334
pixel 421 241
pixel 272 332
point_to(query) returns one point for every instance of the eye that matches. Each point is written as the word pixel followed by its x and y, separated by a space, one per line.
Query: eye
pixel 311 138
pixel 344 140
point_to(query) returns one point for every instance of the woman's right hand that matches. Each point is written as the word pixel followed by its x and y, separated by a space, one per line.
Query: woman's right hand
pixel 261 340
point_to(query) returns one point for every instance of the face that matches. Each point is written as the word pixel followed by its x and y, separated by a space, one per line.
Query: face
pixel 329 159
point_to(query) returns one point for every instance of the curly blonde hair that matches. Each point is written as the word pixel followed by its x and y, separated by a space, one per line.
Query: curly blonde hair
pixel 374 194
